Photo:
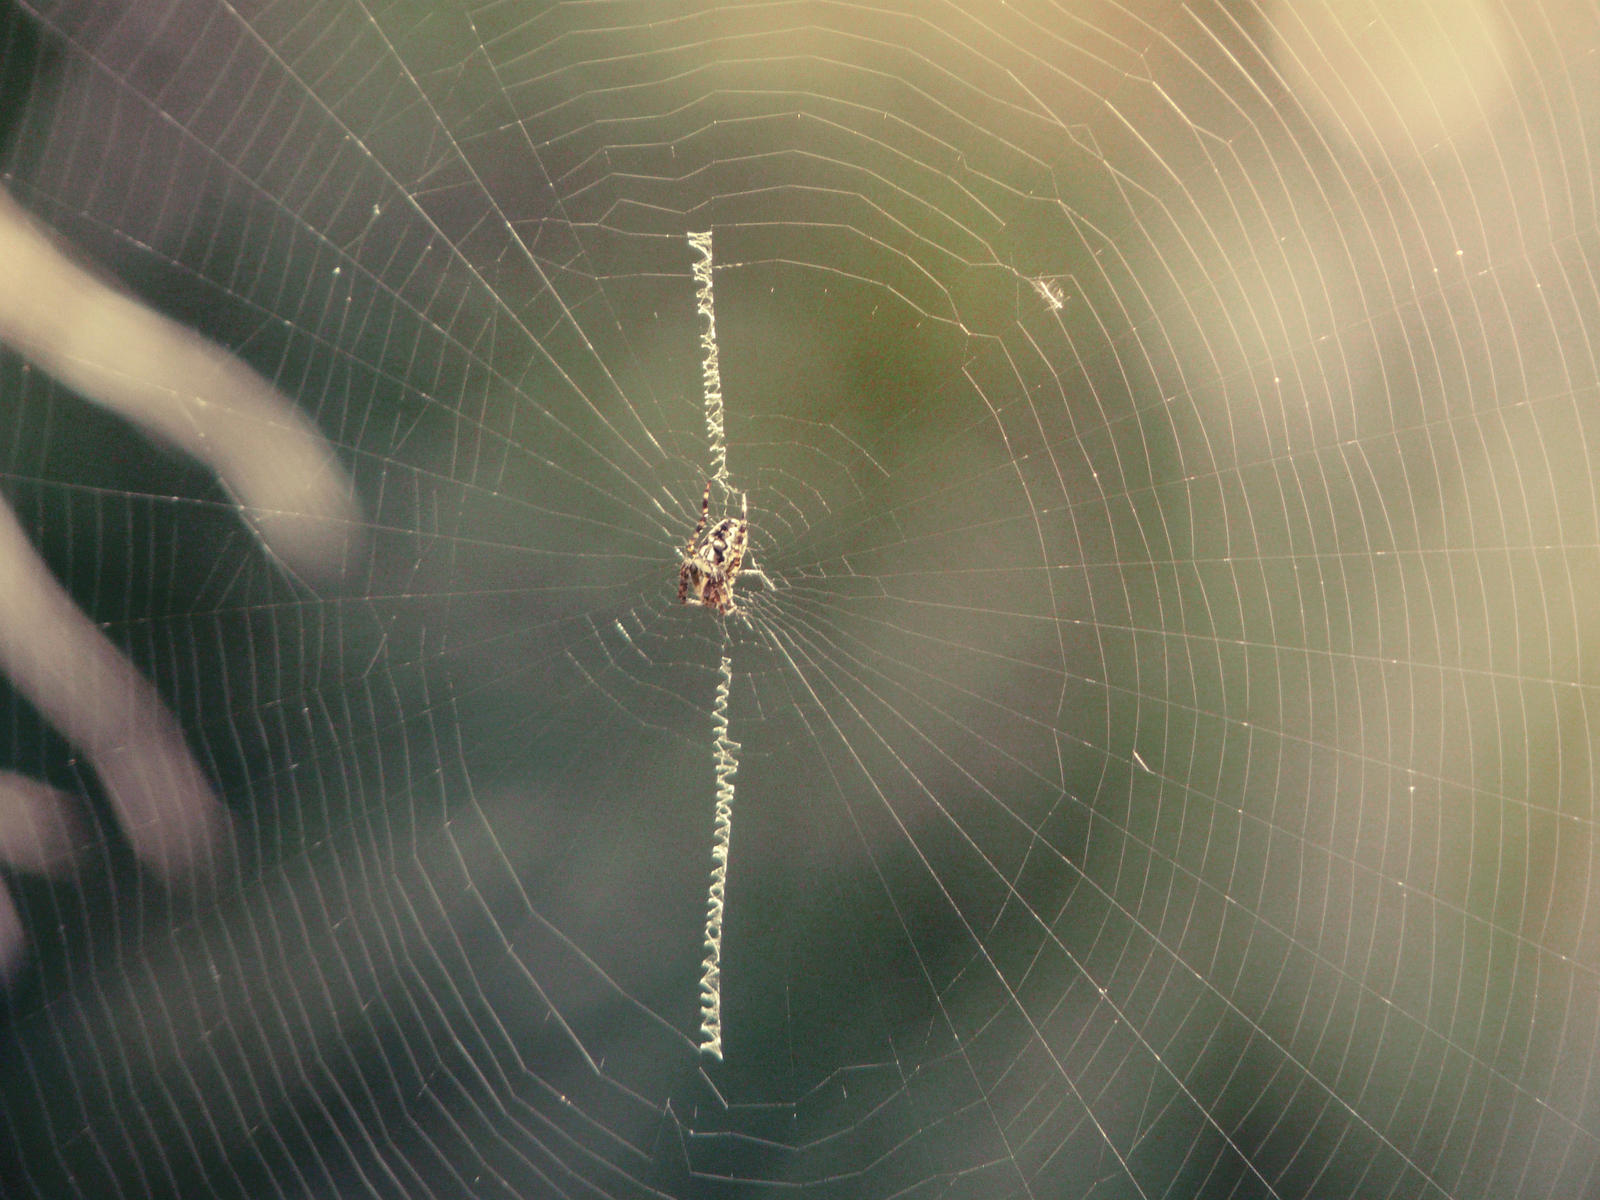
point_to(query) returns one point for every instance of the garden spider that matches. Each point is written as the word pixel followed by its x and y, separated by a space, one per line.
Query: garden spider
pixel 714 558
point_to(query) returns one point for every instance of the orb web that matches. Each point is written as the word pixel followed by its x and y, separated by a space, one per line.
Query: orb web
pixel 1166 767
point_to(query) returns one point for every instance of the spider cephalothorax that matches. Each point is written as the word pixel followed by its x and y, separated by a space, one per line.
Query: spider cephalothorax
pixel 714 557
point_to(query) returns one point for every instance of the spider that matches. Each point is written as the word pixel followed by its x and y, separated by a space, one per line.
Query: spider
pixel 712 562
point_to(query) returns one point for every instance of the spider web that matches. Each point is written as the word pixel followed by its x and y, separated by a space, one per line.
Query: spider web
pixel 1166 753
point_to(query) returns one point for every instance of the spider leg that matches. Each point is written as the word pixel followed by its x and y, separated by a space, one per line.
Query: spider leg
pixel 743 541
pixel 705 512
pixel 688 550
pixel 740 543
pixel 705 515
pixel 737 548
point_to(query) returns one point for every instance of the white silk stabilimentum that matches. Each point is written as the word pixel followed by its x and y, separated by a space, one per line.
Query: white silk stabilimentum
pixel 724 750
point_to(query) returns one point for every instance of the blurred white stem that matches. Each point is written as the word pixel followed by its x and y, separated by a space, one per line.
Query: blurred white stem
pixel 178 387
pixel 70 671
